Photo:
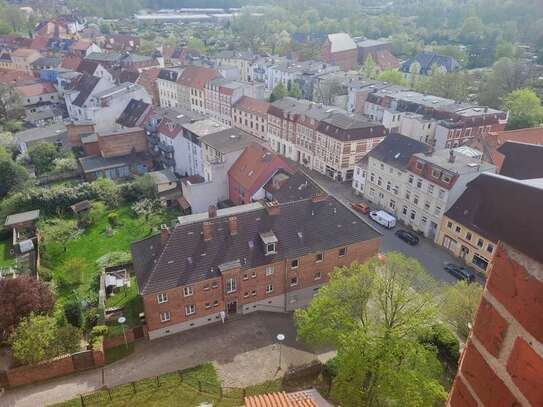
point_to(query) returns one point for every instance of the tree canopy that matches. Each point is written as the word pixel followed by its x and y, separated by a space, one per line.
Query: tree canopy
pixel 525 109
pixel 460 301
pixel 372 315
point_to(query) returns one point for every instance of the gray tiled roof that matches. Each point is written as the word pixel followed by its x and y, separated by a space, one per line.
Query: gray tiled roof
pixel 302 227
pixel 397 149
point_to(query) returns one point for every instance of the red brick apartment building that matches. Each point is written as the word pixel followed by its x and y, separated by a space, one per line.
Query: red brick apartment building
pixel 502 364
pixel 256 257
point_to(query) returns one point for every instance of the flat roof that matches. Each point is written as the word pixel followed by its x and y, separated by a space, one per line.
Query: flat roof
pixel 22 217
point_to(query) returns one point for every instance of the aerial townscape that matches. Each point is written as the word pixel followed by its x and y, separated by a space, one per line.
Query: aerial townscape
pixel 281 203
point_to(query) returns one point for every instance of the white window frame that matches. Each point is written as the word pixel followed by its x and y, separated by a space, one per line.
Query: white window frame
pixel 269 289
pixel 165 316
pixel 269 270
pixel 231 286
pixel 188 291
pixel 190 309
pixel 162 298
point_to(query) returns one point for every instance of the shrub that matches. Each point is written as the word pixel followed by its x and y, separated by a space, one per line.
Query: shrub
pixel 444 340
pixel 113 218
pixel 72 311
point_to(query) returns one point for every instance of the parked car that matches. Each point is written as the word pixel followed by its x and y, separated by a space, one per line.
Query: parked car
pixel 408 237
pixel 383 218
pixel 460 272
pixel 361 207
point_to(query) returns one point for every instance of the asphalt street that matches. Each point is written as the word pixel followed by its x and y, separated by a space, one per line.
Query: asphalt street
pixel 430 255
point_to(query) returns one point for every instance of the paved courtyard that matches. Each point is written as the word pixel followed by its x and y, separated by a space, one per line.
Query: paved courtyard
pixel 244 351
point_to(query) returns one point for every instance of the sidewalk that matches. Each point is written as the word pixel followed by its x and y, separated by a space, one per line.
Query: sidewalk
pixel 243 351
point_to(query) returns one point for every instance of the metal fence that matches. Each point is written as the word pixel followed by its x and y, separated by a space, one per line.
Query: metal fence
pixel 160 384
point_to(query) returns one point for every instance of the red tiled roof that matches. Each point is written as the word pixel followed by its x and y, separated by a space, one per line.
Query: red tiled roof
pixel 197 76
pixel 23 52
pixel 250 104
pixel 39 43
pixel 490 142
pixel 10 77
pixel 252 163
pixel 278 400
pixel 169 129
pixel 71 62
pixel 35 89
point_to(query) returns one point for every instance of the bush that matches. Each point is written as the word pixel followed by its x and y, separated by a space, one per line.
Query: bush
pixel 444 340
pixel 330 367
pixel 72 312
pixel 97 332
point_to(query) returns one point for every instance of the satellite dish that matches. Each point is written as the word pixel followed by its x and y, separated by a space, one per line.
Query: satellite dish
pixel 280 337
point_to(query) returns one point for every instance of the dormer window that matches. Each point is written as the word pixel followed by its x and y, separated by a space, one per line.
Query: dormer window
pixel 270 242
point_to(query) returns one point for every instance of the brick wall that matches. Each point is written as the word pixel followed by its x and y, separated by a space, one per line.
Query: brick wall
pixel 43 371
pixel 116 145
pixel 75 131
pixel 502 364
pixel 113 341
pixel 252 280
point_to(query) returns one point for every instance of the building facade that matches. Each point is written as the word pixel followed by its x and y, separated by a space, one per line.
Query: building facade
pixel 255 258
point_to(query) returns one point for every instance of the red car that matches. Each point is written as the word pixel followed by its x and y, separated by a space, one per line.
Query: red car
pixel 361 207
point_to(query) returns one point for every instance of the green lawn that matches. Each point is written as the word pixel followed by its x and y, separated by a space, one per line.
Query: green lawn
pixel 94 242
pixel 129 299
pixel 188 388
pixel 6 260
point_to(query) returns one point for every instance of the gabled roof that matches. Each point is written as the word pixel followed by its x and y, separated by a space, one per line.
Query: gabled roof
pixel 341 42
pixel 286 187
pixel 71 62
pixel 23 52
pixel 85 85
pixel 505 209
pixel 301 227
pixel 396 150
pixel 135 113
pixel 427 60
pixel 88 67
pixel 196 76
pixel 47 61
pixel 522 160
pixel 252 163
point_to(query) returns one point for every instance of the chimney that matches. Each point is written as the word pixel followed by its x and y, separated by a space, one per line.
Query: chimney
pixel 451 156
pixel 273 208
pixel 207 229
pixel 319 197
pixel 164 233
pixel 212 211
pixel 233 225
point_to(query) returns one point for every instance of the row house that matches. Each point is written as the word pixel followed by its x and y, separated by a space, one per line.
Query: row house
pixel 416 184
pixel 166 83
pixel 323 138
pixel 222 94
pixel 256 257
pixel 191 87
pixel 251 115
pixel 19 60
pixel 440 122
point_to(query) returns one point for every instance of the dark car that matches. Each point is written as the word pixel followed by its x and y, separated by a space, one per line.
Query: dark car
pixel 408 237
pixel 460 272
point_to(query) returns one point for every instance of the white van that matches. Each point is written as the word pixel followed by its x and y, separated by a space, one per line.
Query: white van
pixel 383 218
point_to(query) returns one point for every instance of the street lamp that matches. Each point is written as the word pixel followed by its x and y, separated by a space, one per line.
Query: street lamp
pixel 121 321
pixel 280 338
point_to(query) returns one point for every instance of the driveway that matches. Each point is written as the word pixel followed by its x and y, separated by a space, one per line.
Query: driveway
pixel 243 350
pixel 430 255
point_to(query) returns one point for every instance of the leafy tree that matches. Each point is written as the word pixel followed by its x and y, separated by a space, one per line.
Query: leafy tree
pixel 453 51
pixel 43 156
pixel 12 175
pixel 506 50
pixel 392 76
pixel 443 339
pixel 472 30
pixel 525 109
pixel 372 315
pixel 108 191
pixel 294 90
pixel 460 301
pixel 19 297
pixel 38 338
pixel 147 207
pixel 370 70
pixel 58 230
pixel 66 164
pixel 10 104
pixel 454 85
pixel 197 43
pixel 279 92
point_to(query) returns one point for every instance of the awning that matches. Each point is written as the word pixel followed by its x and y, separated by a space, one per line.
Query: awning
pixel 183 203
